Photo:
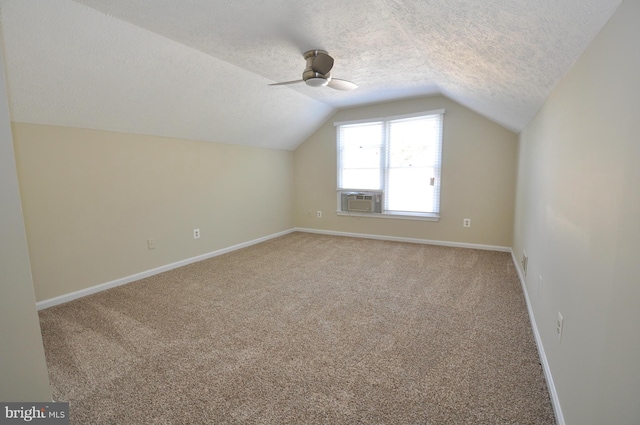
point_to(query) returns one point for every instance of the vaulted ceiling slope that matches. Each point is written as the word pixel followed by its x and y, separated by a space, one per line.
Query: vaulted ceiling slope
pixel 200 69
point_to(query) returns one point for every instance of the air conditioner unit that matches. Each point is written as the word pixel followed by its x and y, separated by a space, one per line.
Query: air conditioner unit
pixel 364 202
pixel 360 203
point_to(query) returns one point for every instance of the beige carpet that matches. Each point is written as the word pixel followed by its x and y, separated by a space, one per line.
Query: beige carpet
pixel 305 329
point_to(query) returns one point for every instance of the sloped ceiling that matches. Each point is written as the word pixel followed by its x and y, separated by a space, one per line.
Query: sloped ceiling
pixel 200 69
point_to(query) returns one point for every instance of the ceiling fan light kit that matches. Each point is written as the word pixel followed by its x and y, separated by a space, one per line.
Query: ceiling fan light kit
pixel 317 81
pixel 317 73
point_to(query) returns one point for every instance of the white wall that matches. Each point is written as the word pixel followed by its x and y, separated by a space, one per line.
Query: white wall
pixel 92 198
pixel 23 372
pixel 578 219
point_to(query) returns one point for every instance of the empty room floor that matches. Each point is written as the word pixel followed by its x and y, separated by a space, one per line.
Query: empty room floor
pixel 305 328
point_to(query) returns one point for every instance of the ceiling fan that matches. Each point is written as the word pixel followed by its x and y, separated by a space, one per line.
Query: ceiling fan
pixel 318 72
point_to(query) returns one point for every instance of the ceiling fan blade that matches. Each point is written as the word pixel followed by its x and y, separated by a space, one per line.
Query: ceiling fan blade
pixel 338 84
pixel 286 83
pixel 322 63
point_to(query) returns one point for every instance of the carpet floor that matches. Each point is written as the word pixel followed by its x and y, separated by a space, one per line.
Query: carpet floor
pixel 305 329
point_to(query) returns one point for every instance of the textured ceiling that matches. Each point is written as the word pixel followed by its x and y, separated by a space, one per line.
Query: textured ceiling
pixel 200 69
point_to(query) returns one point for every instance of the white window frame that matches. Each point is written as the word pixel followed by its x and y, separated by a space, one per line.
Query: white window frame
pixel 385 121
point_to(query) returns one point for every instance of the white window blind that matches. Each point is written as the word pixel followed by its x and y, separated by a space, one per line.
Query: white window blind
pixel 361 155
pixel 399 156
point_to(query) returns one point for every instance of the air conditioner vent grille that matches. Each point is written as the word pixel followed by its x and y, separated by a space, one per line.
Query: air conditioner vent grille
pixel 363 202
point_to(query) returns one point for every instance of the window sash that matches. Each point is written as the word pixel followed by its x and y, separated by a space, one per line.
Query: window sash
pixel 361 156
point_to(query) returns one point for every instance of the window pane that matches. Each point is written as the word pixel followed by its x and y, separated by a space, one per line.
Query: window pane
pixel 409 189
pixel 410 156
pixel 361 157
pixel 359 160
pixel 361 134
pixel 413 143
pixel 413 159
pixel 361 179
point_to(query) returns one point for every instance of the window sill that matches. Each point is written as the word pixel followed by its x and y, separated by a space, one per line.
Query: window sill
pixel 397 216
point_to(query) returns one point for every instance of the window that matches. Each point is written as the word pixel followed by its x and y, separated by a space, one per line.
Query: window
pixel 394 161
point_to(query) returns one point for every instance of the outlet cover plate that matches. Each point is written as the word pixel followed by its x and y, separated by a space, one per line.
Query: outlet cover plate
pixel 560 326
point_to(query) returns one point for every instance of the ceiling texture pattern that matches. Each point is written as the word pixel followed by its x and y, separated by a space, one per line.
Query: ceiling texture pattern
pixel 200 69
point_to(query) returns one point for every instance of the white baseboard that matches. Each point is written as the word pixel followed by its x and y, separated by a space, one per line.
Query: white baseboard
pixel 410 240
pixel 40 305
pixel 555 401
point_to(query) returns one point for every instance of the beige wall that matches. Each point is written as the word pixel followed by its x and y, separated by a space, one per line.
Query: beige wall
pixel 578 219
pixel 91 200
pixel 23 372
pixel 478 178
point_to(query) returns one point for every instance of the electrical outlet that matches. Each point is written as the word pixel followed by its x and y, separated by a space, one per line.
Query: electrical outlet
pixel 196 233
pixel 151 244
pixel 539 283
pixel 319 214
pixel 466 222
pixel 559 326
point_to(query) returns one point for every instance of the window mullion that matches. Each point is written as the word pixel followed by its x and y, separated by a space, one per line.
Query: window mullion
pixel 384 166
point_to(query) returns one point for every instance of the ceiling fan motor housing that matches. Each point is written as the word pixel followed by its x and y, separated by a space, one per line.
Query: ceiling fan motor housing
pixel 311 75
